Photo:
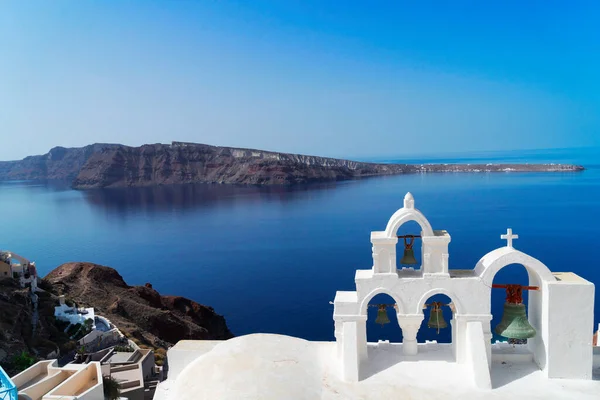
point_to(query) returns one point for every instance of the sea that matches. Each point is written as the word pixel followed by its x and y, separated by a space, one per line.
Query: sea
pixel 270 259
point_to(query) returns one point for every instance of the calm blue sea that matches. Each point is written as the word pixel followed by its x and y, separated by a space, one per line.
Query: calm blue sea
pixel 270 259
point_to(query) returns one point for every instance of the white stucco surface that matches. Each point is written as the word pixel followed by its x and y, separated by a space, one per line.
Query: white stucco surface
pixel 269 367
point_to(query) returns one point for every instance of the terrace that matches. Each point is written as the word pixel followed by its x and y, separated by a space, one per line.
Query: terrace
pixel 45 381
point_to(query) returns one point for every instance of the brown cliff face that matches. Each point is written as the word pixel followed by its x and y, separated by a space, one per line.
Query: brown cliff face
pixel 196 163
pixel 15 322
pixel 58 164
pixel 100 166
pixel 17 331
pixel 182 163
pixel 138 311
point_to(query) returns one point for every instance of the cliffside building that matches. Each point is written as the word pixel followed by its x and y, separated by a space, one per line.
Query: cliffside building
pixel 14 266
pixel 74 315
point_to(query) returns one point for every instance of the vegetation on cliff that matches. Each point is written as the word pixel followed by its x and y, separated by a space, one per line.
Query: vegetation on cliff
pixel 140 312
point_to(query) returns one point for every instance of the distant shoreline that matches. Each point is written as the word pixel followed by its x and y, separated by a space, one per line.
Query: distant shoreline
pixel 114 165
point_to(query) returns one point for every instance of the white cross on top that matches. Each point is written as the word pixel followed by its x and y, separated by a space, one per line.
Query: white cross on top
pixel 509 237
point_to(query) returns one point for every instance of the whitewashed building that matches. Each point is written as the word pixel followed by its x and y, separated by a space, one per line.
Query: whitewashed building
pixel 74 315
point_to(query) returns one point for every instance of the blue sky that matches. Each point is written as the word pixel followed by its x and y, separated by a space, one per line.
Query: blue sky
pixel 352 78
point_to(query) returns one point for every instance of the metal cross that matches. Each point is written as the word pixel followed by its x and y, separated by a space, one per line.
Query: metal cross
pixel 509 237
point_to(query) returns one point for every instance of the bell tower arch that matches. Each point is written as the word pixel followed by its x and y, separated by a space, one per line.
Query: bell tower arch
pixel 434 249
pixel 560 307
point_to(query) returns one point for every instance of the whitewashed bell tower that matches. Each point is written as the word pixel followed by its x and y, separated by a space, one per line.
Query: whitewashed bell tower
pixel 561 311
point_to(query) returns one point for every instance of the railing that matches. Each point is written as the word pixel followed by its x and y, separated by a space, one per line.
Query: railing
pixel 130 384
pixel 8 390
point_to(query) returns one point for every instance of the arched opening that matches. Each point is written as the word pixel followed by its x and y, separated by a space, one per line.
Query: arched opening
pixel 437 312
pixel 509 274
pixel 416 244
pixel 388 331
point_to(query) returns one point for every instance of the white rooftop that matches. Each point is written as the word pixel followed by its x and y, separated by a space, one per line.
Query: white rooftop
pixel 265 366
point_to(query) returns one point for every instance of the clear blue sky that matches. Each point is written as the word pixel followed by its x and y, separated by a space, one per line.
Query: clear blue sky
pixel 333 78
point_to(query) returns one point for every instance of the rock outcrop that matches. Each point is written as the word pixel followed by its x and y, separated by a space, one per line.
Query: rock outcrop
pixel 59 163
pixel 101 165
pixel 17 335
pixel 138 311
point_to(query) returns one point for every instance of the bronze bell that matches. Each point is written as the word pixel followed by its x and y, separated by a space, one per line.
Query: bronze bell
pixel 409 254
pixel 382 317
pixel 514 324
pixel 436 317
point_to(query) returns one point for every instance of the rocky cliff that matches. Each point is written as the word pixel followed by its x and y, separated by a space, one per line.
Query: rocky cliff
pixel 138 311
pixel 16 312
pixel 101 165
pixel 59 163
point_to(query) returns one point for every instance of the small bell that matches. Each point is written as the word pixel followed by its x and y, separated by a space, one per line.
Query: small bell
pixel 436 317
pixel 382 317
pixel 409 254
pixel 514 324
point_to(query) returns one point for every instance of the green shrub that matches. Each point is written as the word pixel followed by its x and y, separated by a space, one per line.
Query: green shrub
pixel 112 388
pixel 159 356
pixel 23 361
pixel 68 346
pixel 73 329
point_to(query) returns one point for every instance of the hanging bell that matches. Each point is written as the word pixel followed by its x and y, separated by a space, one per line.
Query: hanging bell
pixel 514 324
pixel 409 254
pixel 436 318
pixel 382 317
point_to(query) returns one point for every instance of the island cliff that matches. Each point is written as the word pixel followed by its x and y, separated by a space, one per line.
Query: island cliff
pixel 109 165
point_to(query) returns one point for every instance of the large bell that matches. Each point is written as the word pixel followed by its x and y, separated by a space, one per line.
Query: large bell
pixel 436 319
pixel 514 324
pixel 382 317
pixel 409 254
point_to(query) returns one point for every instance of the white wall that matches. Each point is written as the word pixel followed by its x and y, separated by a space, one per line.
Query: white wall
pixel 570 326
pixel 477 357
